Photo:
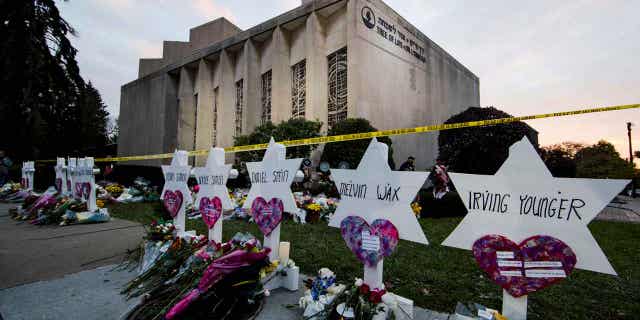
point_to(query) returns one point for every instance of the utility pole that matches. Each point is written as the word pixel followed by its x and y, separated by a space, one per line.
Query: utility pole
pixel 633 184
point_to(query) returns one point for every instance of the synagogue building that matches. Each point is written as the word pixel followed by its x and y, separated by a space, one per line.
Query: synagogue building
pixel 325 60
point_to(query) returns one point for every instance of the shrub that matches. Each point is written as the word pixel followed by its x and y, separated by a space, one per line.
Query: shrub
pixel 352 151
pixel 481 150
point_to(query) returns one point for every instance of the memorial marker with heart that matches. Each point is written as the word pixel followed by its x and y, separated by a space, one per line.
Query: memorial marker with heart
pixel 175 193
pixel 375 209
pixel 213 196
pixel 524 212
pixel 271 179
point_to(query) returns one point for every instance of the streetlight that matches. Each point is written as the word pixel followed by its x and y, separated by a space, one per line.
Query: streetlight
pixel 633 184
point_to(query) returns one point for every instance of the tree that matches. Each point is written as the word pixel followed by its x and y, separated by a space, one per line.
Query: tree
pixel 92 120
pixel 352 151
pixel 287 130
pixel 40 78
pixel 481 150
pixel 113 130
pixel 560 158
pixel 601 161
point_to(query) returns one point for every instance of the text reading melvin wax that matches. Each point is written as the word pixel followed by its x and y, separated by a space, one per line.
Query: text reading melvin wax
pixel 551 207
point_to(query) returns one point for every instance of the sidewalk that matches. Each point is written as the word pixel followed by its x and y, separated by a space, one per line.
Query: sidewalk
pixel 31 253
pixel 623 209
pixel 53 272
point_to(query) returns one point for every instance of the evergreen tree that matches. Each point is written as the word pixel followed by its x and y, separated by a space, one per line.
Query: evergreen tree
pixel 92 121
pixel 40 79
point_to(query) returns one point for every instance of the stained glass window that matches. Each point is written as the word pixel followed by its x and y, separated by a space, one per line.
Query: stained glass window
pixel 266 97
pixel 298 89
pixel 239 106
pixel 214 117
pixel 337 63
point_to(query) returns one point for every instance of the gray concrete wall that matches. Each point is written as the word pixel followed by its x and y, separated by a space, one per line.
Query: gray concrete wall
pixel 211 32
pixel 394 88
pixel 146 116
pixel 397 78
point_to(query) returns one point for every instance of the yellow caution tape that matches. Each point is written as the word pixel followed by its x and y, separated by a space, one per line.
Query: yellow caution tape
pixel 368 135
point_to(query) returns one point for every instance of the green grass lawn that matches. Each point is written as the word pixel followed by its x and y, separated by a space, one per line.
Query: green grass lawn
pixel 436 277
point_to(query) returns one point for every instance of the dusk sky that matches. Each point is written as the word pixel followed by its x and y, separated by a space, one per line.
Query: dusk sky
pixel 531 56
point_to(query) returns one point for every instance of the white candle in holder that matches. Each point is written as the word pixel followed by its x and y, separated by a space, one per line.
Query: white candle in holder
pixel 284 252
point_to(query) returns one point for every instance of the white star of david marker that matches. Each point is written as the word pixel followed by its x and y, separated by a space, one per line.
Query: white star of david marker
pixel 562 207
pixel 272 177
pixel 212 178
pixel 395 205
pixel 176 175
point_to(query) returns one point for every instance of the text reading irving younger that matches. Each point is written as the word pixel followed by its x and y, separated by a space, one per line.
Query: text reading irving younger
pixel 551 207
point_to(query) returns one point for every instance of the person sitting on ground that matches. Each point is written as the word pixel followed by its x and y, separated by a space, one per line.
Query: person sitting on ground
pixel 409 165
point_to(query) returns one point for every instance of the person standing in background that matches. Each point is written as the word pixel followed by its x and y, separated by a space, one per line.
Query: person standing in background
pixel 5 164
pixel 409 165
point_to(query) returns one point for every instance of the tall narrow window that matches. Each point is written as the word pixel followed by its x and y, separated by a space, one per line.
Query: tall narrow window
pixel 298 89
pixel 214 117
pixel 195 120
pixel 239 106
pixel 266 97
pixel 337 63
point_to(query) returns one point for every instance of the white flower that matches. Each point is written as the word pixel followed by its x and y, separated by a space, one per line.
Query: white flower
pixel 359 282
pixel 390 300
pixel 326 273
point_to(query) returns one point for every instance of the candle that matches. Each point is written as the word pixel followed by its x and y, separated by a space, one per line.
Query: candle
pixel 284 252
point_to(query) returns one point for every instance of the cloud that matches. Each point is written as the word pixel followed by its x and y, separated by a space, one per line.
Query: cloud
pixel 210 10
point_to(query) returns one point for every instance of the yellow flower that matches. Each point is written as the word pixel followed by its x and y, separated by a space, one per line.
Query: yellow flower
pixel 314 207
pixel 416 208
pixel 100 203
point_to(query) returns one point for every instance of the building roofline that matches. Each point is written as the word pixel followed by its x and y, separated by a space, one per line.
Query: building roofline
pixel 271 24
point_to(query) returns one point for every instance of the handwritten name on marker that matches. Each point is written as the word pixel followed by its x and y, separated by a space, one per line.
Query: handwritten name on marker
pixel 545 273
pixel 369 242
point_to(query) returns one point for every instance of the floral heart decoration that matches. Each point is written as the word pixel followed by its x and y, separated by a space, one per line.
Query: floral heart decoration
pixel 533 264
pixel 211 210
pixel 173 202
pixel 370 243
pixel 267 215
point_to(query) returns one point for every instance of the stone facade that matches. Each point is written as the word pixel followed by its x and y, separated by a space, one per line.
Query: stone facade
pixel 325 60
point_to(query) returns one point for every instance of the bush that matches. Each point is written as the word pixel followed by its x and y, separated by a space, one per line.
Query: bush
pixel 287 130
pixel 449 206
pixel 560 158
pixel 352 151
pixel 602 161
pixel 481 150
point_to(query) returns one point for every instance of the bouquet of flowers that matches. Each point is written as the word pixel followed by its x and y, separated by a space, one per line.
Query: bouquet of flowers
pixel 160 231
pixel 357 301
pixel 114 189
pixel 165 267
pixel 320 293
pixel 32 205
pixel 314 209
pixel 9 192
pixel 215 281
pixel 53 214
